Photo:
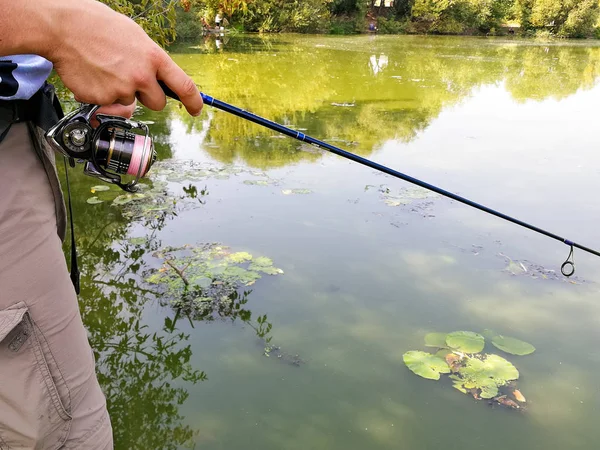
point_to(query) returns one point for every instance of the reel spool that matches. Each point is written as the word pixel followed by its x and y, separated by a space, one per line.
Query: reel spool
pixel 116 147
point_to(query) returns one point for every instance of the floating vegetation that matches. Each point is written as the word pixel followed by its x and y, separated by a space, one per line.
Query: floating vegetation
pixel 465 341
pixel 533 270
pixel 512 345
pixel 425 364
pixel 198 274
pixel 157 198
pixel 94 200
pixel 99 188
pixel 204 282
pixel 435 340
pixel 481 375
pixel 296 191
pixel 419 199
pixel 257 182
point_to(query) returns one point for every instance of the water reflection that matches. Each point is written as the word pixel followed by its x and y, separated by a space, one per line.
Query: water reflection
pixel 363 91
pixel 388 285
pixel 144 369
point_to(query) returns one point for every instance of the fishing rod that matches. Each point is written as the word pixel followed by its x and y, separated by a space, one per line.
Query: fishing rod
pixel 113 149
pixel 567 268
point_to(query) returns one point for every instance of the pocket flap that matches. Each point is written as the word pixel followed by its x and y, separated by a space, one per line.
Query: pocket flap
pixel 10 318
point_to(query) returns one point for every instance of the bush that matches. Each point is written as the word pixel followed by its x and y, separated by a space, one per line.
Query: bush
pixel 188 26
pixel 342 25
pixel 391 26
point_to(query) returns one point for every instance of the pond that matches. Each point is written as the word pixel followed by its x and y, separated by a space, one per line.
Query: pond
pixel 335 271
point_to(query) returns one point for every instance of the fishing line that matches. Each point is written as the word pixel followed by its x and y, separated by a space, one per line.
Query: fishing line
pixel 567 268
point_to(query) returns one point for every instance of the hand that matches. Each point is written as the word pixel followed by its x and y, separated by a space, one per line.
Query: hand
pixel 114 110
pixel 105 58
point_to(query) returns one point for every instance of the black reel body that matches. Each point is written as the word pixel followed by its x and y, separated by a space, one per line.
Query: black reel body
pixel 116 147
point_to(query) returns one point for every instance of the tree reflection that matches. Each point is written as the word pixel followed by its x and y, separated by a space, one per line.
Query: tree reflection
pixel 336 89
pixel 143 371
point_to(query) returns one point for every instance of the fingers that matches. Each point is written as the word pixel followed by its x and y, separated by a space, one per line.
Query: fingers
pixel 177 80
pixel 114 110
pixel 153 97
pixel 118 110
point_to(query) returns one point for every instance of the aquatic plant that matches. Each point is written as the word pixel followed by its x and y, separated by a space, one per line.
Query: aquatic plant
pixel 481 375
pixel 207 270
pixel 425 364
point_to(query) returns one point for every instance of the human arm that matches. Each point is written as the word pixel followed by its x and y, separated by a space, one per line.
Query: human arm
pixel 101 56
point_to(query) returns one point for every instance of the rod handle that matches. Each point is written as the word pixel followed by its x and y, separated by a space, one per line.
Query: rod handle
pixel 167 90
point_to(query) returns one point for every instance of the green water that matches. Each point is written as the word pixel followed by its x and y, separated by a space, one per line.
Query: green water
pixel 511 124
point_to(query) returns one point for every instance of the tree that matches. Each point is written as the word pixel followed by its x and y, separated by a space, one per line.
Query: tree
pixel 568 18
pixel 156 17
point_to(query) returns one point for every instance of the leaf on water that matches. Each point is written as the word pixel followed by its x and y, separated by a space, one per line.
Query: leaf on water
pixel 520 397
pixel 435 340
pixel 465 341
pixel 209 272
pixel 256 182
pixel 443 353
pixel 390 201
pixel 458 385
pixel 512 345
pixel 489 390
pixel 123 199
pixel 100 188
pixel 262 261
pixel 425 364
pixel 295 191
pixel 137 240
pixel 486 374
pixel 94 200
pixel 497 368
pixel 239 257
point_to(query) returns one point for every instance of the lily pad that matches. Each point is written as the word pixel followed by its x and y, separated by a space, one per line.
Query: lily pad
pixel 100 188
pixel 435 340
pixel 239 257
pixel 94 200
pixel 295 191
pixel 500 369
pixel 256 182
pixel 465 341
pixel 512 345
pixel 425 364
pixel 209 272
pixel 486 374
pixel 126 198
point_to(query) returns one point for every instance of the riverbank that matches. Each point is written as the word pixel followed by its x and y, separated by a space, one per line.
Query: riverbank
pixel 421 17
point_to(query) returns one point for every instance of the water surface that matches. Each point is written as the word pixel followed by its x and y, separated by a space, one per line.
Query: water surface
pixel 511 124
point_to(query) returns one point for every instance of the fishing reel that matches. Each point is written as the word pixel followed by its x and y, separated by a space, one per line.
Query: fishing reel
pixel 116 147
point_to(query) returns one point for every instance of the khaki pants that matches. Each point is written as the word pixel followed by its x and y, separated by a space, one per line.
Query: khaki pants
pixel 49 394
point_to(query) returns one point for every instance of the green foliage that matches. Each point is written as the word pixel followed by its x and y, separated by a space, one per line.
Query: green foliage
pixel 565 18
pixel 465 341
pixel 481 375
pixel 290 16
pixel 391 26
pixel 165 20
pixel 343 25
pixel 437 340
pixel 512 345
pixel 156 17
pixel 425 364
pixel 188 23
pixel 486 373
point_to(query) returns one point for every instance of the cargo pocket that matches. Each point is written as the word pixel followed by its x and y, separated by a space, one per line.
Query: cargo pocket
pixel 35 400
